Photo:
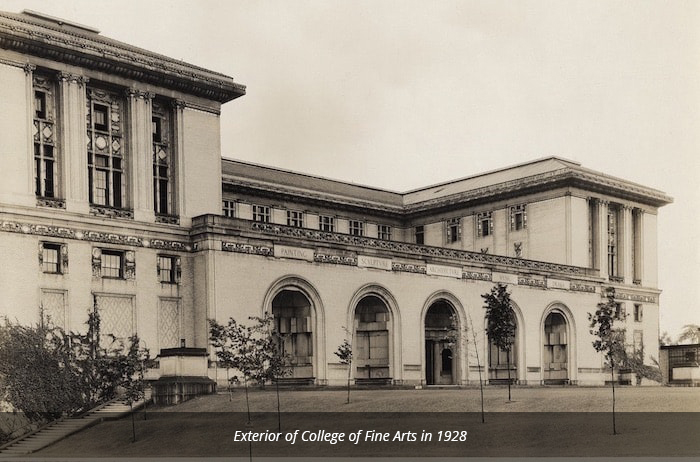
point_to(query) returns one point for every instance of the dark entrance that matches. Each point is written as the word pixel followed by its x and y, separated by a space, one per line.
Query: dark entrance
pixel 441 338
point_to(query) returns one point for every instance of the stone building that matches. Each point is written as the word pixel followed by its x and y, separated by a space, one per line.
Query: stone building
pixel 115 196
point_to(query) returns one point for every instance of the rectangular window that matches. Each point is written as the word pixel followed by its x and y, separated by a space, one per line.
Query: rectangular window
pixel 612 241
pixel 357 228
pixel 638 340
pixel 261 213
pixel 420 235
pixel 619 312
pixel 162 158
pixel 106 149
pixel 39 105
pixel 453 230
pixel 638 313
pixel 518 217
pixel 295 218
pixel 229 208
pixel 112 264
pixel 168 269
pixel 51 257
pixel 44 134
pixel 484 224
pixel 384 232
pixel 326 223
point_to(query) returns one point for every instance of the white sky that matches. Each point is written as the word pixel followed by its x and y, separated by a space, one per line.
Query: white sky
pixel 402 94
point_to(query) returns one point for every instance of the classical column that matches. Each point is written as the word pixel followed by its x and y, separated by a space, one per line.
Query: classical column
pixel 179 163
pixel 626 245
pixel 638 246
pixel 141 154
pixel 602 238
pixel 72 112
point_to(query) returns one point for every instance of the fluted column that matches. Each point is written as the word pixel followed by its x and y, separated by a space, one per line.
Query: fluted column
pixel 72 109
pixel 638 246
pixel 179 163
pixel 626 244
pixel 140 154
pixel 602 241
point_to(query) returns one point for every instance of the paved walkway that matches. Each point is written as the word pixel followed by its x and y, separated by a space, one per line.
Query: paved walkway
pixel 60 429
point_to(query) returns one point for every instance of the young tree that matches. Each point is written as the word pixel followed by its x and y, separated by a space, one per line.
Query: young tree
pixel 608 340
pixel 344 354
pixel 478 365
pixel 128 361
pixel 500 322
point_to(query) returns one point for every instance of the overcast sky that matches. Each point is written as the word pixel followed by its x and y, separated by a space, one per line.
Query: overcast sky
pixel 402 94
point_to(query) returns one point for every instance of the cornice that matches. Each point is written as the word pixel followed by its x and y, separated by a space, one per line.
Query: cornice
pixel 505 190
pixel 95 52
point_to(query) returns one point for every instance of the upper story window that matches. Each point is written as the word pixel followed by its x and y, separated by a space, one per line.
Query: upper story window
pixel 326 223
pixel 295 218
pixel 162 159
pixel 384 232
pixel 619 312
pixel 420 235
pixel 638 313
pixel 357 228
pixel 228 208
pixel 44 134
pixel 106 149
pixel 261 213
pixel 613 222
pixel 484 224
pixel 453 230
pixel 112 264
pixel 518 217
pixel 51 257
pixel 169 269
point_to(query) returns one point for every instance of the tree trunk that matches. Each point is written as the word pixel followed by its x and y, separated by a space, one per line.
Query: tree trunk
pixel 612 374
pixel 508 363
pixel 349 375
pixel 247 403
pixel 228 384
pixel 133 424
pixel 279 416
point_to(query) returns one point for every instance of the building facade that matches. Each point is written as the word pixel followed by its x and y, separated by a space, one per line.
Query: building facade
pixel 115 196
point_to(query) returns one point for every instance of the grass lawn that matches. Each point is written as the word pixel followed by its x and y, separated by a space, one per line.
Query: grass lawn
pixel 540 421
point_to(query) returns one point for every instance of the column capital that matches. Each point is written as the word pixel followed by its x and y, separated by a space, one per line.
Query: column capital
pixel 178 104
pixel 144 95
pixel 67 77
pixel 29 68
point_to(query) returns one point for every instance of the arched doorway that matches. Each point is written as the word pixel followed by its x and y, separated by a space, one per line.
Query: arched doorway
pixel 441 341
pixel 500 360
pixel 555 369
pixel 294 321
pixel 372 341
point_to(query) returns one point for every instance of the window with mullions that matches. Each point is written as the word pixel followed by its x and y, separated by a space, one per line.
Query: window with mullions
pixel 420 235
pixel 484 224
pixel 261 213
pixel 453 230
pixel 518 217
pixel 384 232
pixel 326 224
pixel 112 264
pixel 295 218
pixel 106 151
pixel 44 134
pixel 162 159
pixel 229 208
pixel 357 228
pixel 169 269
pixel 51 257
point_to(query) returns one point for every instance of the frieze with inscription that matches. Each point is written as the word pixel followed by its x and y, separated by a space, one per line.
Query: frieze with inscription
pixel 246 248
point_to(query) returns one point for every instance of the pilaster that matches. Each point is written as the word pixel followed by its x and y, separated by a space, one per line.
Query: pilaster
pixel 178 156
pixel 72 109
pixel 602 238
pixel 626 245
pixel 141 156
